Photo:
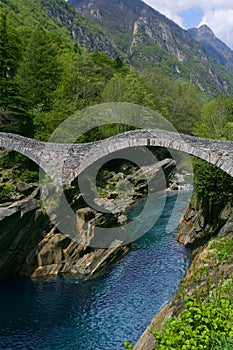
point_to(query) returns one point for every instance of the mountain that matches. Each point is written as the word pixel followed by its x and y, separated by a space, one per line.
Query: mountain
pixel 130 23
pixel 140 35
pixel 146 37
pixel 59 17
pixel 212 45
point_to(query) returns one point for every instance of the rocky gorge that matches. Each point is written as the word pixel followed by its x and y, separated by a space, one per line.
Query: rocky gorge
pixel 208 268
pixel 31 245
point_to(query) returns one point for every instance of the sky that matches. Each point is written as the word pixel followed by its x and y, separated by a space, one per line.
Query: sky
pixel 217 14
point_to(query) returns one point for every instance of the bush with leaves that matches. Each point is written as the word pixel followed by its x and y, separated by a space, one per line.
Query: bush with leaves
pixel 205 324
pixel 214 189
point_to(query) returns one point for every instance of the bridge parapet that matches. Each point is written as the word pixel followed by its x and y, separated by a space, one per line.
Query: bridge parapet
pixel 72 159
pixel 219 153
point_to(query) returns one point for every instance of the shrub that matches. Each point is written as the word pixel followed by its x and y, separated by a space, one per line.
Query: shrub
pixel 5 192
pixel 204 324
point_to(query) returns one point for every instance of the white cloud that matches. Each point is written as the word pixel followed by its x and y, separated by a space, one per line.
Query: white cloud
pixel 220 20
pixel 218 14
pixel 170 14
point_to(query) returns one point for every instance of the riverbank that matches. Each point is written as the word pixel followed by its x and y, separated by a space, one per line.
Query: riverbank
pixel 211 267
pixel 71 311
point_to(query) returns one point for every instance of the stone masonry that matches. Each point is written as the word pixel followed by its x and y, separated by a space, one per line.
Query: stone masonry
pixel 70 160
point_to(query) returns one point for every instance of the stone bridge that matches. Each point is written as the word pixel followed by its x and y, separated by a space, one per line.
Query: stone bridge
pixel 71 159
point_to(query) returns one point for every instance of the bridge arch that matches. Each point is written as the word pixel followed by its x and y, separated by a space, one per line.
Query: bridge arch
pixel 73 159
pixel 218 153
pixel 26 146
pixel 46 155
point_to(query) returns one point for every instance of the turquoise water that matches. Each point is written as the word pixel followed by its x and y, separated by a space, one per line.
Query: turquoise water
pixel 69 312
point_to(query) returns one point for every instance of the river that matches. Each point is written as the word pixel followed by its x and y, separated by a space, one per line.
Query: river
pixel 68 312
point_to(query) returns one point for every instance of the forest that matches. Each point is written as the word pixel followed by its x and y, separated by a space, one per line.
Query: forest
pixel 45 79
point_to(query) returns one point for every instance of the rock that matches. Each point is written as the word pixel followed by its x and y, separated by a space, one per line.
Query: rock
pixel 118 176
pixel 194 227
pixel 97 260
pixel 191 232
pixel 173 187
pixel 180 180
pixel 157 175
pixel 26 188
pixel 112 195
pixel 122 219
pixel 227 229
pixel 31 245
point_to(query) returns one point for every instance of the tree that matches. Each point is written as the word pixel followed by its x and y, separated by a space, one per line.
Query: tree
pixel 9 59
pixel 115 89
pixel 213 187
pixel 126 88
pixel 217 119
pixel 82 80
pixel 13 115
pixel 180 103
pixel 186 108
pixel 160 88
pixel 39 72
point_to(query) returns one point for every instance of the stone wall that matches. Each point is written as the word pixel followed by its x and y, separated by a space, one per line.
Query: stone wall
pixel 64 162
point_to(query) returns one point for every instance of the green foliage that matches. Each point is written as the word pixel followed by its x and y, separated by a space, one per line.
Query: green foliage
pixel 23 169
pixel 6 162
pixel 57 78
pixel 9 56
pixel 213 187
pixel 221 342
pixel 185 109
pixel 83 78
pixel 202 325
pixel 13 115
pixel 217 119
pixel 28 176
pixel 127 345
pixel 31 13
pixel 16 120
pixel 221 249
pixel 38 74
pixel 13 158
pixel 180 102
pixel 148 54
pixel 14 189
pixel 6 192
pixel 204 74
pixel 206 321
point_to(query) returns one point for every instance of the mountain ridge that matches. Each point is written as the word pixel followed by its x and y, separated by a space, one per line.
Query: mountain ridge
pixel 213 45
pixel 146 37
pixel 130 29
pixel 60 17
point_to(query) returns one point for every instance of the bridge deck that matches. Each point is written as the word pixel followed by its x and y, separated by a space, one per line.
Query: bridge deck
pixel 51 157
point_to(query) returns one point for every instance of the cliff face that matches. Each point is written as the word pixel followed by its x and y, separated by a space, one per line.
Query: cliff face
pixel 212 45
pixel 85 32
pixel 146 37
pixel 139 23
pixel 194 230
pixel 31 245
pixel 59 17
